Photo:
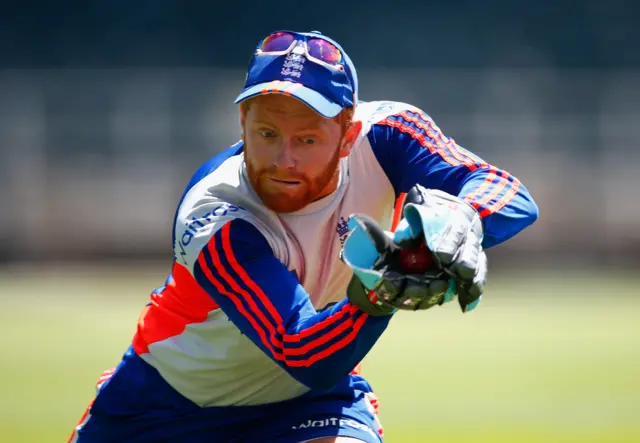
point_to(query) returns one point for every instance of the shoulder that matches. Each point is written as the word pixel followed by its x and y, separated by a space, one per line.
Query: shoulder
pixel 214 221
pixel 374 112
pixel 386 125
pixel 216 196
pixel 218 164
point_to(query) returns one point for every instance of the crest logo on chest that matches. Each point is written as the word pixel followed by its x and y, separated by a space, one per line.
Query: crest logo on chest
pixel 342 229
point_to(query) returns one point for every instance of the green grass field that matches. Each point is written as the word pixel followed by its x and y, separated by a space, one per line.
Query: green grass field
pixel 543 359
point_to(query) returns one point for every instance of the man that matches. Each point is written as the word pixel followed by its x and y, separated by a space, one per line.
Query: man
pixel 286 271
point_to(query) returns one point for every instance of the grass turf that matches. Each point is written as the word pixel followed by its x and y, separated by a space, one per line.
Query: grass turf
pixel 543 359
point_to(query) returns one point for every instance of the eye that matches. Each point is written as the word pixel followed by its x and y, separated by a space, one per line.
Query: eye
pixel 308 140
pixel 266 133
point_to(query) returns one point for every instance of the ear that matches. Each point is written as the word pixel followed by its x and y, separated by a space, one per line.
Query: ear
pixel 243 119
pixel 350 138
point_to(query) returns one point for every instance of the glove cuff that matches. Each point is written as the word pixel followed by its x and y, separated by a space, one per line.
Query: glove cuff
pixel 367 300
pixel 439 205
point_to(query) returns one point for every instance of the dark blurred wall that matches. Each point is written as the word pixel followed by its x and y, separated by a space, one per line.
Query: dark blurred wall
pixel 464 33
pixel 107 108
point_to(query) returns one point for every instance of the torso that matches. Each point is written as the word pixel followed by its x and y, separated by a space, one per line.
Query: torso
pixel 229 369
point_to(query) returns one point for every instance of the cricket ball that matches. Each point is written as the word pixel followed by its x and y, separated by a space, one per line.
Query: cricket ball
pixel 416 260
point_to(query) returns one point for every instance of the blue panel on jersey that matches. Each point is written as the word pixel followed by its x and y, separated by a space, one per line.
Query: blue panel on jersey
pixel 270 306
pixel 406 161
pixel 412 150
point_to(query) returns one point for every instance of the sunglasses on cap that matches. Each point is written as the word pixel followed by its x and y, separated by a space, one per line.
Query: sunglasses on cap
pixel 316 49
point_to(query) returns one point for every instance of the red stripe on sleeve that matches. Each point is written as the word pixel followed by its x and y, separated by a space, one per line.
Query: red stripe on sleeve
pixel 402 127
pixel 228 252
pixel 428 126
pixel 325 338
pixel 238 304
pixel 480 190
pixel 249 299
pixel 495 191
pixel 324 324
pixel 265 299
pixel 335 347
pixel 290 338
pixel 451 144
pixel 503 201
pixel 397 211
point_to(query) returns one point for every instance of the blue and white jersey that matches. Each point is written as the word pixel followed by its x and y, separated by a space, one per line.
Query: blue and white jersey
pixel 255 308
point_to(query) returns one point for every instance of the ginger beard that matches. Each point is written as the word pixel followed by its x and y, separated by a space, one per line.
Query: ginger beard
pixel 310 188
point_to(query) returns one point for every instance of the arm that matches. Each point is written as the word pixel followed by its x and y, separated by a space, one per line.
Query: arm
pixel 412 150
pixel 267 303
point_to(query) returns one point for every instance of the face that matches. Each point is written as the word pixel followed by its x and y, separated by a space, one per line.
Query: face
pixel 292 153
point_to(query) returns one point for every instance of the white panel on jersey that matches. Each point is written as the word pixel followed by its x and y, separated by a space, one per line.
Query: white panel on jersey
pixel 370 113
pixel 218 198
pixel 213 364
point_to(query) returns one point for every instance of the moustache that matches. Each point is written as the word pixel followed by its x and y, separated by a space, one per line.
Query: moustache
pixel 284 175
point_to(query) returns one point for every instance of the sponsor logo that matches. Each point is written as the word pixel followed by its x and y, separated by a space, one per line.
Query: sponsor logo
pixel 384 109
pixel 334 422
pixel 385 106
pixel 195 224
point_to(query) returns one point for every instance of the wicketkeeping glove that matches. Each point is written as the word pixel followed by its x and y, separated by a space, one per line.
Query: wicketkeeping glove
pixel 453 232
pixel 379 285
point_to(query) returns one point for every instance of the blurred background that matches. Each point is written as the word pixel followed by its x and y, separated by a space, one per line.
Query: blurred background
pixel 107 108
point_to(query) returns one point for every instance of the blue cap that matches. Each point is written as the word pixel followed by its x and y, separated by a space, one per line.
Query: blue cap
pixel 325 90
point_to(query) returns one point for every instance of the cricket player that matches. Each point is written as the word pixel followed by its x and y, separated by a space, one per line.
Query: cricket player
pixel 289 263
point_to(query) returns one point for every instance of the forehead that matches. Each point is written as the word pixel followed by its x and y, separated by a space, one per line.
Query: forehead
pixel 279 106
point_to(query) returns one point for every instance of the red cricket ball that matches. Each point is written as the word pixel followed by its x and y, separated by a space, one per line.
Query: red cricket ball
pixel 417 260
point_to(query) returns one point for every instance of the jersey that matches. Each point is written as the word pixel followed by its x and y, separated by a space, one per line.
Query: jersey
pixel 255 309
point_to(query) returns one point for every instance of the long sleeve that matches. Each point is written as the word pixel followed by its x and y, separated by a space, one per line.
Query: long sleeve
pixel 267 303
pixel 412 150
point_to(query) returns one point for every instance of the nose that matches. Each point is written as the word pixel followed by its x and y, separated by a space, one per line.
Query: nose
pixel 285 158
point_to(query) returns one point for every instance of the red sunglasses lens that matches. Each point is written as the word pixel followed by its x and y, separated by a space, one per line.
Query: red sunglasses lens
pixel 325 51
pixel 278 41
